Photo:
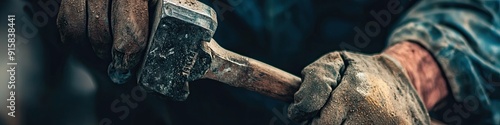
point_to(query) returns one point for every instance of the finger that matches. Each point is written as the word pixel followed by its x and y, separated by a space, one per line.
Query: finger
pixel 153 3
pixel 129 24
pixel 334 112
pixel 98 28
pixel 72 21
pixel 319 79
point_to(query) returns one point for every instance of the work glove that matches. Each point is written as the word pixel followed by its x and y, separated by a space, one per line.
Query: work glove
pixel 118 30
pixel 351 88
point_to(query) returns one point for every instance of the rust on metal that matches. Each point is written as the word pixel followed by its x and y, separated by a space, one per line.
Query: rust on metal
pixel 181 50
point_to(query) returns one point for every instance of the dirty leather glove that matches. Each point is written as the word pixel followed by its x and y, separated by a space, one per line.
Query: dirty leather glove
pixel 350 88
pixel 117 30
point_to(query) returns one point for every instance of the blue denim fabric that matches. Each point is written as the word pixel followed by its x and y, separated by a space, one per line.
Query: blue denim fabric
pixel 464 37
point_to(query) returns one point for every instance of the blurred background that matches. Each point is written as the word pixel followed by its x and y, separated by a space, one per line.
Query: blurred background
pixel 67 84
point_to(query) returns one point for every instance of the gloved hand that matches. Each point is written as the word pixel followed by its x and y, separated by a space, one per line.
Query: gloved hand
pixel 350 88
pixel 117 30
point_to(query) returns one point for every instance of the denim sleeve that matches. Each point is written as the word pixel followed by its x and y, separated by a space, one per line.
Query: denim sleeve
pixel 464 37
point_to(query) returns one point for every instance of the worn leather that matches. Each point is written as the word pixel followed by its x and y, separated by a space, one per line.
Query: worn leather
pixel 351 88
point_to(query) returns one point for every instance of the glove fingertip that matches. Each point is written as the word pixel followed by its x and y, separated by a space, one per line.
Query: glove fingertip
pixel 98 28
pixel 71 19
pixel 296 114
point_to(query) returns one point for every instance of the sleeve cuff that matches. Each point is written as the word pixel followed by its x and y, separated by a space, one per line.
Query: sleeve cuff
pixel 451 52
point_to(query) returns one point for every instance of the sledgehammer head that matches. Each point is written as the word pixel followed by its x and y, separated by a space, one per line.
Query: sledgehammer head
pixel 175 55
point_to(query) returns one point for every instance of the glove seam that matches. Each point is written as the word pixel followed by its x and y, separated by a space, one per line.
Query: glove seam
pixel 343 68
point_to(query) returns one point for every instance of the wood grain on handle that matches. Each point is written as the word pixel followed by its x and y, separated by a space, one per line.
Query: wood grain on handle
pixel 240 71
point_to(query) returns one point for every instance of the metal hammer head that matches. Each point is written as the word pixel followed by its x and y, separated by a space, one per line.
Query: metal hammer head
pixel 175 54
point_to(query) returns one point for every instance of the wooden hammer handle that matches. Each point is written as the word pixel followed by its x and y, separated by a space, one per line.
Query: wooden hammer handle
pixel 240 71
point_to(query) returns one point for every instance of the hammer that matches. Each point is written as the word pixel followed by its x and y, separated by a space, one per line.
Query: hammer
pixel 181 50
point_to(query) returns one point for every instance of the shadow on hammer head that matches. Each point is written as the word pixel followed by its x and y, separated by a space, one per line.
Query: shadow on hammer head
pixel 175 54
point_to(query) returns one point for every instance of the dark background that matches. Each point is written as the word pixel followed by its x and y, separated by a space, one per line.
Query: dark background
pixel 67 83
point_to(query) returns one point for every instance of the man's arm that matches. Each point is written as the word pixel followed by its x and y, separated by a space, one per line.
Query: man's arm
pixel 464 38
pixel 423 71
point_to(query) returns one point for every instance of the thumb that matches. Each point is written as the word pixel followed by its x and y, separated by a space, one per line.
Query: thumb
pixel 319 79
